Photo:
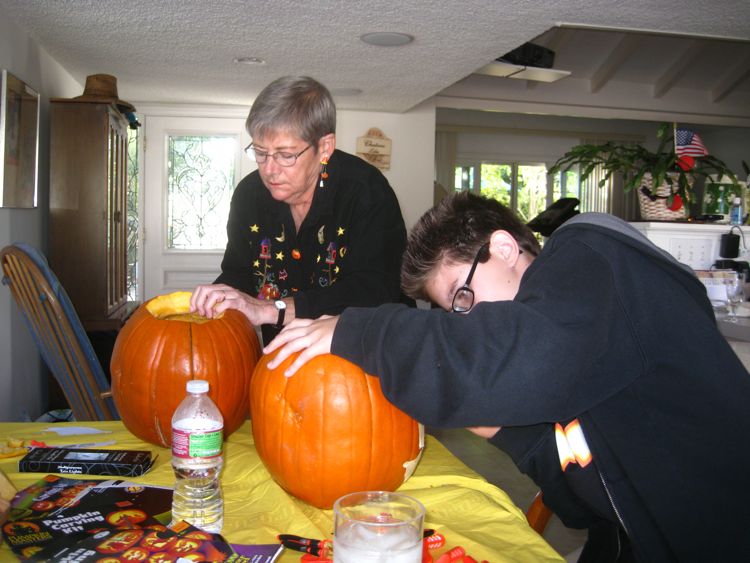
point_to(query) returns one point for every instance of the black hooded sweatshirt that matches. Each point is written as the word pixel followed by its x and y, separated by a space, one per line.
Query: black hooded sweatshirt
pixel 608 330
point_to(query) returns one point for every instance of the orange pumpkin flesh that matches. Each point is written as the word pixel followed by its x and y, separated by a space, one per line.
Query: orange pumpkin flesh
pixel 328 430
pixel 154 357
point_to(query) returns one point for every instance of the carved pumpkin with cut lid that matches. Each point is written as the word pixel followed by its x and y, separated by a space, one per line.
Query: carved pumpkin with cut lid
pixel 162 346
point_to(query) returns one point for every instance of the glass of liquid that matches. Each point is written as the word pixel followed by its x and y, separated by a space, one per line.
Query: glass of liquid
pixel 735 285
pixel 377 527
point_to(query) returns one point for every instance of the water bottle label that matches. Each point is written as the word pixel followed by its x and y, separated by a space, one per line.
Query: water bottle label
pixel 196 444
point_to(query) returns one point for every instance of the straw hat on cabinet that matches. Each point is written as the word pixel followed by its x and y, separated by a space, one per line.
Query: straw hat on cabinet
pixel 103 88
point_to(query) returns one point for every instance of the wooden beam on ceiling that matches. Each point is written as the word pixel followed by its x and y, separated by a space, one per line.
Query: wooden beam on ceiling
pixel 669 77
pixel 732 77
pixel 617 57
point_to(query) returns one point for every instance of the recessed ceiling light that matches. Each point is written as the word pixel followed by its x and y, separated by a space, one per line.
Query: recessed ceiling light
pixel 387 38
pixel 346 91
pixel 249 61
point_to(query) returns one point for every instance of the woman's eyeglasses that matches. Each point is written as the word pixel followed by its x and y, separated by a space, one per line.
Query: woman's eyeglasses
pixel 282 158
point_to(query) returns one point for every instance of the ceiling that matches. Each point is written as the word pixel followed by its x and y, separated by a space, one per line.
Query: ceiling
pixel 183 52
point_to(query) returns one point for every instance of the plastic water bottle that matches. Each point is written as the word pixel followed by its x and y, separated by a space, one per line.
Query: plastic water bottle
pixel 736 215
pixel 197 433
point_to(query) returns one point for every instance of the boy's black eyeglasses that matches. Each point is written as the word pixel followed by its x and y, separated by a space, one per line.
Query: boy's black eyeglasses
pixel 463 299
pixel 283 158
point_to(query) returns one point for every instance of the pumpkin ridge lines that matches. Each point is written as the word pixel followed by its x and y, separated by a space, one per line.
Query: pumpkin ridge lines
pixel 352 453
pixel 324 444
pixel 282 429
pixel 240 342
pixel 373 462
pixel 155 406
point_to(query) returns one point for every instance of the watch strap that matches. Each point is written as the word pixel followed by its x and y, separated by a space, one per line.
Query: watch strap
pixel 282 313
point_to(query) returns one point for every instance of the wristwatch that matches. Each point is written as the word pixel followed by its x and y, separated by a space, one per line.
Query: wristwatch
pixel 281 308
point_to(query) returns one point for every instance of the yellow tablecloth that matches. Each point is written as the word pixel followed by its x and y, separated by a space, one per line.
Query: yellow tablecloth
pixel 460 504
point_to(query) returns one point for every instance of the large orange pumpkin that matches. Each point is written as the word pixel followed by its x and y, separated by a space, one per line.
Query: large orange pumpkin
pixel 162 346
pixel 328 430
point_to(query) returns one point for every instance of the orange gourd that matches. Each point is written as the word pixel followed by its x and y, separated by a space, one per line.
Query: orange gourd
pixel 328 430
pixel 162 346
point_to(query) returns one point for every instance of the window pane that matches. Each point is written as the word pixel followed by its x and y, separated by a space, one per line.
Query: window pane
pixel 496 182
pixel 464 178
pixel 132 205
pixel 199 190
pixel 532 191
pixel 565 184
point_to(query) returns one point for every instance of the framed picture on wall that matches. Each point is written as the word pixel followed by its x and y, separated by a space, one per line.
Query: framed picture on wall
pixel 19 142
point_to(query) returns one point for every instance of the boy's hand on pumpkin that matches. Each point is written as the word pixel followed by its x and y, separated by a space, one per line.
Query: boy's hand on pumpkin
pixel 308 337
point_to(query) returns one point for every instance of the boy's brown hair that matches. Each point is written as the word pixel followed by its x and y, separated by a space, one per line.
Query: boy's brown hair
pixel 454 230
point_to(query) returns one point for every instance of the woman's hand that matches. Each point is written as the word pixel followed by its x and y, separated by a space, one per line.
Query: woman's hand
pixel 211 300
pixel 312 337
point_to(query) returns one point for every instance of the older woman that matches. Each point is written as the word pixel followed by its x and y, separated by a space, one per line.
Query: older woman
pixel 314 229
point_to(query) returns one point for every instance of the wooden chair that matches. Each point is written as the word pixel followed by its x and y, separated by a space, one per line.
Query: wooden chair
pixel 57 331
pixel 538 514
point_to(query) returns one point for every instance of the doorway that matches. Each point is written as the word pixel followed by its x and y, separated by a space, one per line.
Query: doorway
pixel 191 167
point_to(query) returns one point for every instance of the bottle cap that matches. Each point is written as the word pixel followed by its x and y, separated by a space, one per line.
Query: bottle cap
pixel 737 200
pixel 197 386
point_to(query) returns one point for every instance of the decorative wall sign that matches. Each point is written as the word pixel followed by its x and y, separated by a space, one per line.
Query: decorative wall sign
pixel 375 148
pixel 19 142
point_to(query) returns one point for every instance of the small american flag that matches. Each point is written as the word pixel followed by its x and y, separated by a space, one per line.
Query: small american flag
pixel 687 143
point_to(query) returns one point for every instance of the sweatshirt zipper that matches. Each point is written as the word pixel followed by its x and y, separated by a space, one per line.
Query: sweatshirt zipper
pixel 614 509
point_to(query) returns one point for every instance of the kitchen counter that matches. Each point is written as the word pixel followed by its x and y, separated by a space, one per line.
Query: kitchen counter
pixel 738 336
pixel 735 331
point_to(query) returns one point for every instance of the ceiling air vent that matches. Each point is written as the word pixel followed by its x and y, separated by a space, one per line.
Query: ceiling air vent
pixel 527 62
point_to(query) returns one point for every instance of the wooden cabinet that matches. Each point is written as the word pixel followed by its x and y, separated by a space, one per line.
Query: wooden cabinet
pixel 88 212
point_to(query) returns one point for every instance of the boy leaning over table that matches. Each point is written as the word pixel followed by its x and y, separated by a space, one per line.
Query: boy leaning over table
pixel 598 356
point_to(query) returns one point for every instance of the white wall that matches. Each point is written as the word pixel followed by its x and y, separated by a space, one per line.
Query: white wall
pixel 413 152
pixel 23 388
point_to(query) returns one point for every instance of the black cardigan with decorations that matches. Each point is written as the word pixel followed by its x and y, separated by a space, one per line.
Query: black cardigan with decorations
pixel 347 251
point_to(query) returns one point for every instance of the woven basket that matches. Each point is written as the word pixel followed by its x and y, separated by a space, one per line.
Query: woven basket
pixel 656 209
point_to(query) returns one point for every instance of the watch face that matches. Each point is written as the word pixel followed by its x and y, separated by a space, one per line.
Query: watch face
pixel 280 305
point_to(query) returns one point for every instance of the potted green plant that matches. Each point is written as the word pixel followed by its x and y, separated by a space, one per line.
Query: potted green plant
pixel 663 178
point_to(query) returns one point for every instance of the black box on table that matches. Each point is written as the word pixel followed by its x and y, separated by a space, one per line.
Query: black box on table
pixel 129 463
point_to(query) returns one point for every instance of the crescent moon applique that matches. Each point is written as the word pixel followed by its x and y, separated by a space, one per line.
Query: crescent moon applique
pixel 322 234
pixel 282 236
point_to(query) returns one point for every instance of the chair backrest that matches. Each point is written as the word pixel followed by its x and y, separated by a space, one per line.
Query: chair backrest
pixel 58 332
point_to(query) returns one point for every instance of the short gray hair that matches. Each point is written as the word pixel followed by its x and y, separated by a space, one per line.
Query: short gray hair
pixel 298 104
